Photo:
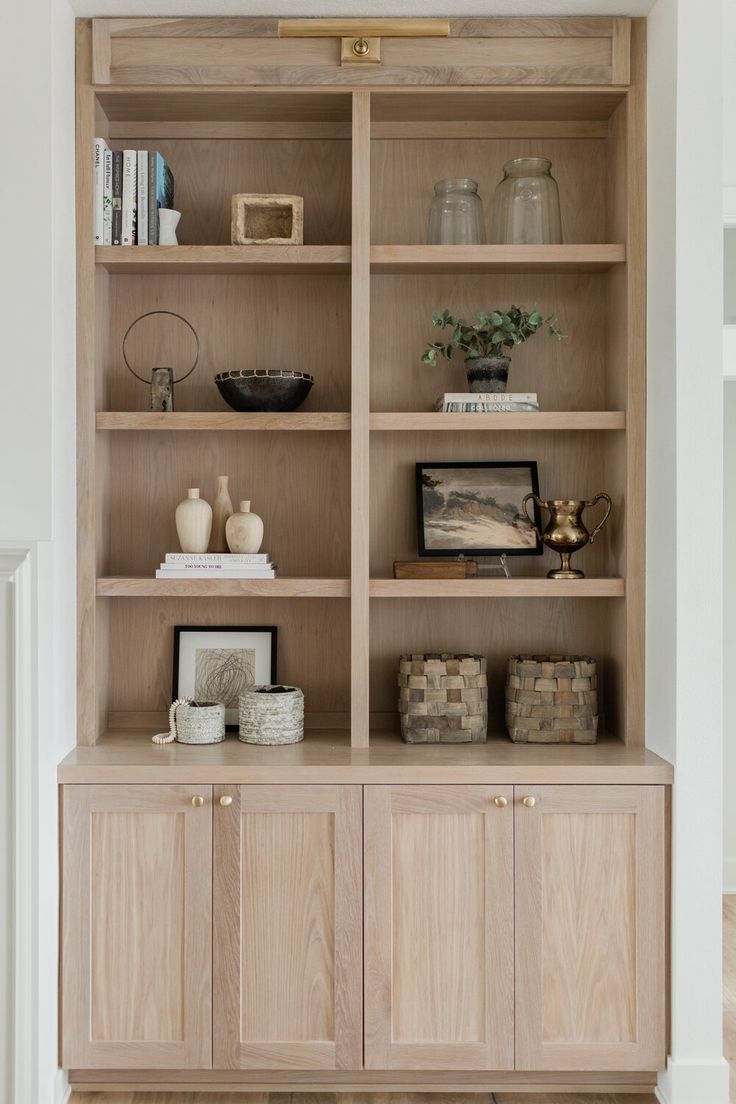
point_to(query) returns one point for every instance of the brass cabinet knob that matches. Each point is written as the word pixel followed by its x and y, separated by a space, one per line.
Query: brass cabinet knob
pixel 529 801
pixel 197 801
pixel 226 800
pixel 500 802
pixel 360 47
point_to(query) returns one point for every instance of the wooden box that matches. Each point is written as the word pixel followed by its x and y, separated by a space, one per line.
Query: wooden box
pixel 552 699
pixel 443 699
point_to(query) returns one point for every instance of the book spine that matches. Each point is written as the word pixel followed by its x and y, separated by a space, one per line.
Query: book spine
pixel 224 559
pixel 142 227
pixel 130 198
pixel 487 407
pixel 117 197
pixel 107 199
pixel 153 159
pixel 100 147
pixel 489 396
pixel 198 573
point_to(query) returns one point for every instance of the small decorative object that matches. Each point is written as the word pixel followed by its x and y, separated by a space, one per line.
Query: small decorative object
pixel 476 508
pixel 192 722
pixel 565 532
pixel 267 219
pixel 484 341
pixel 167 223
pixel 218 663
pixel 161 379
pixel 244 531
pixel 435 569
pixel 526 204
pixel 221 510
pixel 271 715
pixel 264 389
pixel 456 214
pixel 443 699
pixel 552 699
pixel 193 522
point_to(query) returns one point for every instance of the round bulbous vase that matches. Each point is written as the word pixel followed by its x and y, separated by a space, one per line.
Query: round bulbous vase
pixel 244 531
pixel 526 204
pixel 167 223
pixel 222 509
pixel 193 522
pixel 488 374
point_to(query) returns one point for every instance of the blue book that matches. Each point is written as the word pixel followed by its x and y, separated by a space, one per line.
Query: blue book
pixel 160 192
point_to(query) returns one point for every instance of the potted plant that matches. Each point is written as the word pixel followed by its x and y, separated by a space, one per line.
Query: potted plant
pixel 484 341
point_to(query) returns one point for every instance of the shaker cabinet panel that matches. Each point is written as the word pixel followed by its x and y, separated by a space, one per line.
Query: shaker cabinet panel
pixel 288 940
pixel 137 927
pixel 590 938
pixel 438 927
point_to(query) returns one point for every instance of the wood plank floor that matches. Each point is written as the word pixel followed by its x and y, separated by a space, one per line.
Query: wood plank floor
pixel 729 1027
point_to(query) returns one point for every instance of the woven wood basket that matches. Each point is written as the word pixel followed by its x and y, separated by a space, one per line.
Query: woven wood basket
pixel 443 699
pixel 552 699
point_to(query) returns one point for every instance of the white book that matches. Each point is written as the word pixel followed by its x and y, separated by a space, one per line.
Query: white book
pixel 130 196
pixel 487 407
pixel 107 198
pixel 99 155
pixel 228 558
pixel 216 569
pixel 142 212
pixel 488 396
pixel 230 573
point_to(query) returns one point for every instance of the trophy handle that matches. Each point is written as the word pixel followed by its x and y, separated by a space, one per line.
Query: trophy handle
pixel 603 520
pixel 540 502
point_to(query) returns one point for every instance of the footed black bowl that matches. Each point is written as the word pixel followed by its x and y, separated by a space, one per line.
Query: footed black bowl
pixel 267 390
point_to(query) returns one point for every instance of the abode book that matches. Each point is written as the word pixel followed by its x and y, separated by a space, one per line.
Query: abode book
pixel 487 402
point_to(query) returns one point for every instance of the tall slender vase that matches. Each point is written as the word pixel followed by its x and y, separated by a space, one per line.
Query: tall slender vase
pixel 194 522
pixel 222 509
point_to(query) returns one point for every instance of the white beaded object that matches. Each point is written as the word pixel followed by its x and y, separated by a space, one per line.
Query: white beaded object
pixel 170 736
pixel 271 715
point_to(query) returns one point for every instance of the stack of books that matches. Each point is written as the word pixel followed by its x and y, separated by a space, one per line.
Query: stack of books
pixel 216 565
pixel 469 402
pixel 130 187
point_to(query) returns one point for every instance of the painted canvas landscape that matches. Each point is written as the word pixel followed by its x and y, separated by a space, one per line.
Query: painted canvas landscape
pixel 475 509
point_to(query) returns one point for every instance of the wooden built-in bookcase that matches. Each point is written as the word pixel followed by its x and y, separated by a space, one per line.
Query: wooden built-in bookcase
pixel 334 480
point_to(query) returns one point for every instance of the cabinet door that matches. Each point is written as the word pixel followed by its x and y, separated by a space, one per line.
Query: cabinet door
pixel 439 928
pixel 287 941
pixel 590 941
pixel 137 927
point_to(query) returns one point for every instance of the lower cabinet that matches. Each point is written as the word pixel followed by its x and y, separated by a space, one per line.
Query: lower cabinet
pixel 249 927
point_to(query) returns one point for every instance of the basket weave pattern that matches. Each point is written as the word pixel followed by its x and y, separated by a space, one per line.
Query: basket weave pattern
pixel 443 699
pixel 552 699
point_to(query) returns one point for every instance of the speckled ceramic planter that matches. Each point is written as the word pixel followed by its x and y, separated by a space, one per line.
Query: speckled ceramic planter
pixel 488 374
pixel 271 715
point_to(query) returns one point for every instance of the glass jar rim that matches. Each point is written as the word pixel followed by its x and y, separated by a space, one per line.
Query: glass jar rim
pixel 456 184
pixel 518 165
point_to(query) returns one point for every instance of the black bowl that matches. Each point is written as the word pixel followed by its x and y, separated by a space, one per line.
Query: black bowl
pixel 264 389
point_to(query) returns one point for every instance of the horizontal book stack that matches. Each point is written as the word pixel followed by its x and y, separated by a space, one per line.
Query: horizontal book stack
pixel 469 402
pixel 216 565
pixel 130 188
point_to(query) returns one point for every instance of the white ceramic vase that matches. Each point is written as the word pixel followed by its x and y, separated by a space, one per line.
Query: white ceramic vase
pixel 244 530
pixel 222 509
pixel 167 224
pixel 194 522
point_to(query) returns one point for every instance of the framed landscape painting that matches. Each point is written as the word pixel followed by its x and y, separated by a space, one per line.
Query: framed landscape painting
pixel 216 663
pixel 474 508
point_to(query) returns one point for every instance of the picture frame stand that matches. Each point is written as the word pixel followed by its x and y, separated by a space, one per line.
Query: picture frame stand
pixel 494 565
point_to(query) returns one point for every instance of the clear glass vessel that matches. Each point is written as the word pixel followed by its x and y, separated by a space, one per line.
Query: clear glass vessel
pixel 526 204
pixel 456 214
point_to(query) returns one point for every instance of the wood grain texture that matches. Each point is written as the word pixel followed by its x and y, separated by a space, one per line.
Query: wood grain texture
pixel 438 259
pixel 287 949
pixel 396 1095
pixel 137 927
pixel 392 1081
pixel 497 588
pixel 590 928
pixel 510 104
pixel 438 945
pixel 280 106
pixel 141 587
pixel 539 420
pixel 229 421
pixel 225 259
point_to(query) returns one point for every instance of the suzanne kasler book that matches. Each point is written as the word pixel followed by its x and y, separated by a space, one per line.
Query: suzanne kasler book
pixel 226 559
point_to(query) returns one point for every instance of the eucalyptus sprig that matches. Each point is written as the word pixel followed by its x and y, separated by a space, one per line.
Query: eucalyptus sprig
pixel 490 334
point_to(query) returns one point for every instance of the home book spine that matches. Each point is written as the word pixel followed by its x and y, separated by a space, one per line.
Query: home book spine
pixel 142 227
pixel 226 559
pixel 107 198
pixel 117 196
pixel 130 197
pixel 99 211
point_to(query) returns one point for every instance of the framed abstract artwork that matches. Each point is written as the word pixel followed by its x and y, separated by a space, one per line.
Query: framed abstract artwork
pixel 217 662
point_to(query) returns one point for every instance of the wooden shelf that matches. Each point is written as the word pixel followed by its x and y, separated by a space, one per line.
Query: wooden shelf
pixel 398 259
pixel 519 420
pixel 272 260
pixel 325 756
pixel 222 420
pixel 143 587
pixel 497 588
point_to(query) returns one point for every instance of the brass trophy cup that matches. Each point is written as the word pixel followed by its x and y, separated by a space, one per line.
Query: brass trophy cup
pixel 565 532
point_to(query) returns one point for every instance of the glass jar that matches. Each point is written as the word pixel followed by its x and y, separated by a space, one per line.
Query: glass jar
pixel 456 214
pixel 526 204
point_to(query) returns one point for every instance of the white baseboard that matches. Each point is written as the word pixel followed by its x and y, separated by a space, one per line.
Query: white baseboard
pixel 694 1083
pixel 62 1088
pixel 729 875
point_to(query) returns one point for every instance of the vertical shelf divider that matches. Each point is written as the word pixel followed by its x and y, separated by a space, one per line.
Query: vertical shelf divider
pixel 360 422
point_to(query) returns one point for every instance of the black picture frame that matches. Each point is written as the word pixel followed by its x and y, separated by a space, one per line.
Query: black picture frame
pixel 469 552
pixel 180 630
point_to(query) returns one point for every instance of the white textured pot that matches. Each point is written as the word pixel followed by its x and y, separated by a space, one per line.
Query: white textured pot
pixel 271 715
pixel 167 224
pixel 222 509
pixel 244 530
pixel 193 522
